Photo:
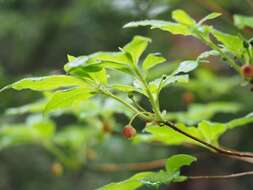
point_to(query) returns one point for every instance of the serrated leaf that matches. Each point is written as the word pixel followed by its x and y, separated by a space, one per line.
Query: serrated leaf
pixel 136 47
pixel 174 28
pixel 174 163
pixel 46 83
pixel 152 60
pixel 66 98
pixel 186 66
pixel 209 17
pixel 242 21
pixel 182 17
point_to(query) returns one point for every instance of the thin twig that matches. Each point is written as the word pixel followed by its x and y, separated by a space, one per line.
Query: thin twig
pixel 219 150
pixel 131 166
pixel 215 177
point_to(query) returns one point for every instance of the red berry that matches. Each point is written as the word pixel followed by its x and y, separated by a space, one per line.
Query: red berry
pixel 128 131
pixel 247 70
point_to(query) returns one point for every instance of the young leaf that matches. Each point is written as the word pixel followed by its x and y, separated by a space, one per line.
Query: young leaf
pixel 66 98
pixel 209 17
pixel 136 47
pixel 174 163
pixel 242 21
pixel 46 83
pixel 182 17
pixel 152 60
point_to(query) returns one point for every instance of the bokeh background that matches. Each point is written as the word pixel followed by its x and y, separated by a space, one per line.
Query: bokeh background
pixel 36 36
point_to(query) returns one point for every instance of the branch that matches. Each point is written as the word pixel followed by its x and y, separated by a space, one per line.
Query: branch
pixel 219 150
pixel 215 177
pixel 131 166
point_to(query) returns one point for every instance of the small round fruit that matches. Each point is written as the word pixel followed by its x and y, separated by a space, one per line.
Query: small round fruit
pixel 187 98
pixel 57 169
pixel 247 70
pixel 128 131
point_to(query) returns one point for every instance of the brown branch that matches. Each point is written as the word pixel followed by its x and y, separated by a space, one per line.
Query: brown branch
pixel 131 166
pixel 223 151
pixel 215 177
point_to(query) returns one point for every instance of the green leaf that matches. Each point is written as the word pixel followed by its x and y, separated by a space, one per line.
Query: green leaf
pixel 123 88
pixel 66 98
pixel 28 108
pixel 240 122
pixel 152 60
pixel 136 47
pixel 186 67
pixel 174 163
pixel 174 28
pixel 155 179
pixel 242 21
pixel 100 77
pixel 182 17
pixel 85 65
pixel 160 83
pixel 152 23
pixel 199 112
pixel 132 183
pixel 159 178
pixel 18 134
pixel 70 58
pixel 207 131
pixel 209 17
pixel 74 137
pixel 114 57
pixel 46 83
pixel 207 54
pixel 211 131
pixel 232 43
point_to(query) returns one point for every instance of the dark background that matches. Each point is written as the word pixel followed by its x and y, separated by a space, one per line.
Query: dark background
pixel 36 36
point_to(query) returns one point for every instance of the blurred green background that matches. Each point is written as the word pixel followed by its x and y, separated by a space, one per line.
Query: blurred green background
pixel 36 36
